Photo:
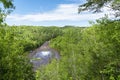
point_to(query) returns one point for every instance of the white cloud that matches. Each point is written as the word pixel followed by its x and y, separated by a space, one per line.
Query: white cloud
pixel 68 12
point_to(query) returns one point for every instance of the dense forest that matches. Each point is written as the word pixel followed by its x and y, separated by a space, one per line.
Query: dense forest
pixel 86 53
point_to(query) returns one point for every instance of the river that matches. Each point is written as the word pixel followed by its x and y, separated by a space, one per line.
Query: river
pixel 43 55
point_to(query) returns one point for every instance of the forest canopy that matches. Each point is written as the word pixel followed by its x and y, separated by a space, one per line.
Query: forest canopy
pixel 86 53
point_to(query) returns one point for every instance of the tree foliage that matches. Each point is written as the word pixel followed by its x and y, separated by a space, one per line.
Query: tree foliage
pixel 15 42
pixel 97 5
pixel 6 8
pixel 86 53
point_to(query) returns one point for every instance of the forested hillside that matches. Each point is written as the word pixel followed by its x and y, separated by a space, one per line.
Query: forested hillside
pixel 86 54
pixel 15 46
pixel 90 53
pixel 82 53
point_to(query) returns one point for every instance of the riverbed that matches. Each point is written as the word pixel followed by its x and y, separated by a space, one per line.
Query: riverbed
pixel 43 55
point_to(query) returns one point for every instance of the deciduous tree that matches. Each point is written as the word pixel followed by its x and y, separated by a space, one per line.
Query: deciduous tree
pixel 97 5
pixel 6 8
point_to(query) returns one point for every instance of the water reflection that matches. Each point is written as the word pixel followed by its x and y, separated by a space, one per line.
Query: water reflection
pixel 43 54
pixel 42 58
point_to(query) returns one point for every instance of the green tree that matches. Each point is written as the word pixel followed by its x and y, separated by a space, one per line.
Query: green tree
pixel 6 8
pixel 14 65
pixel 97 5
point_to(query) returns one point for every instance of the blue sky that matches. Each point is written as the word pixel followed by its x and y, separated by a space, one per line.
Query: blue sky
pixel 50 13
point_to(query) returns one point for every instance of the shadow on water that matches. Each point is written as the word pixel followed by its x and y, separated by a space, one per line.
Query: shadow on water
pixel 43 55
